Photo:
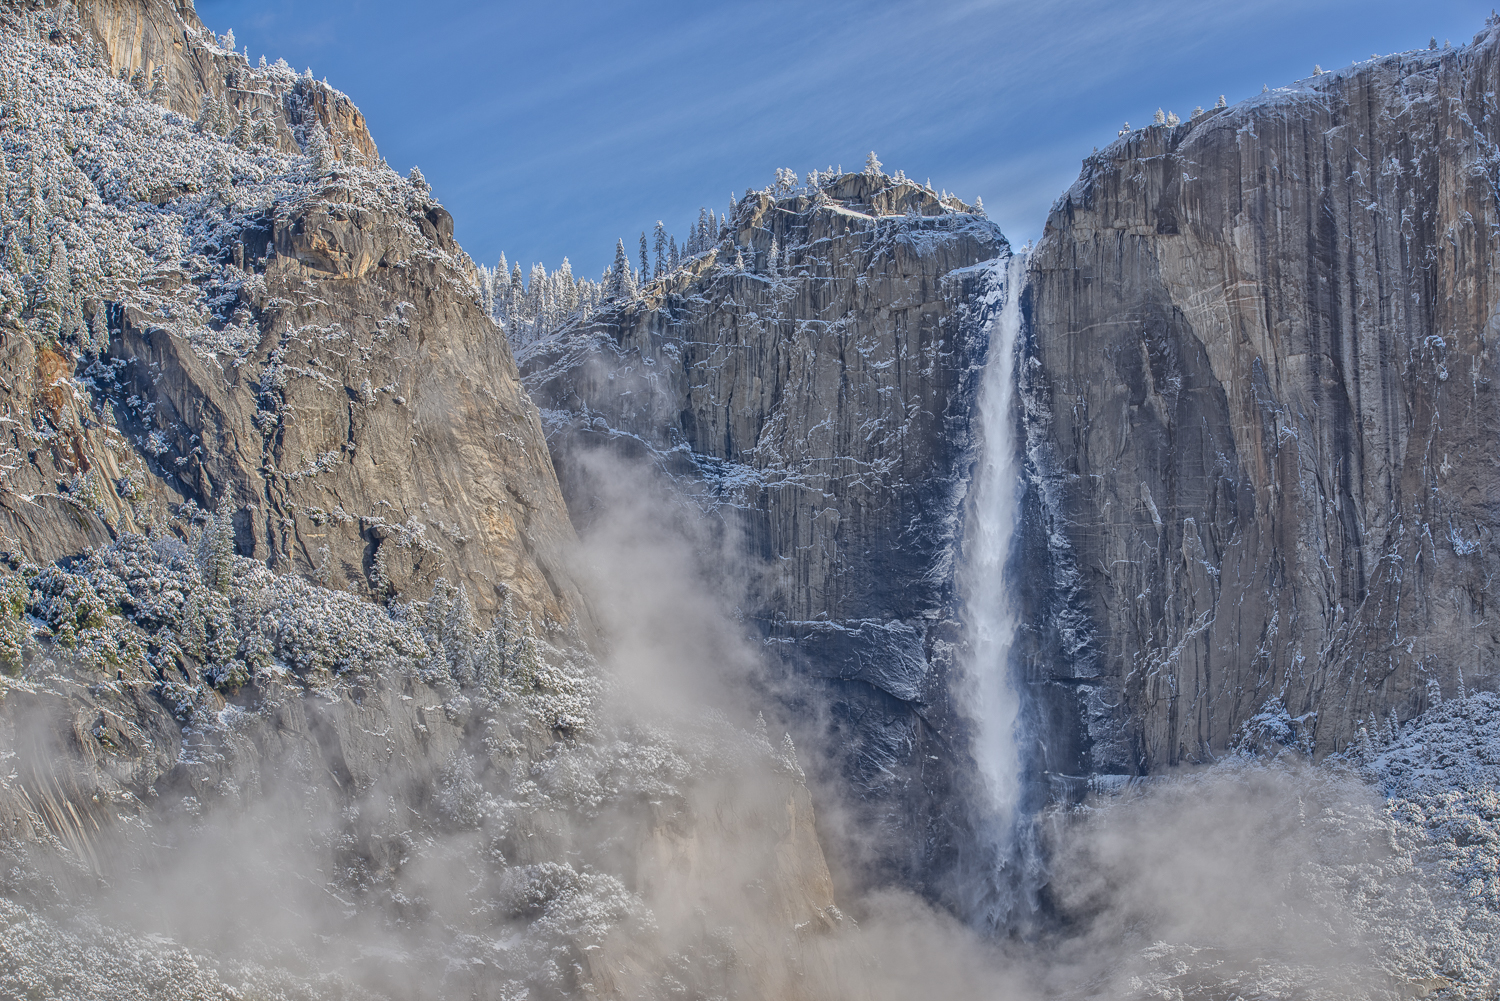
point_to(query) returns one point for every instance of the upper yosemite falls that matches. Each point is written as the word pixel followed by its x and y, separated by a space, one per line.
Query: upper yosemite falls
pixel 838 600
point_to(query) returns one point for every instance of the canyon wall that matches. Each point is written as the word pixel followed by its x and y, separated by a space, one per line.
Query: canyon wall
pixel 809 384
pixel 1262 419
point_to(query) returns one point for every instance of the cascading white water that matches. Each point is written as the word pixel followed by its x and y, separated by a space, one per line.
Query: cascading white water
pixel 994 511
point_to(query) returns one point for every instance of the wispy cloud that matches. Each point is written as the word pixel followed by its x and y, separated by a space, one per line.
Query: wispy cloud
pixel 550 130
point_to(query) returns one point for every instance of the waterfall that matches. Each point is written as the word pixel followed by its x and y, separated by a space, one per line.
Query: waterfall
pixel 989 697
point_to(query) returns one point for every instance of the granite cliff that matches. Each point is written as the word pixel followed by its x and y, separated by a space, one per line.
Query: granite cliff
pixel 316 361
pixel 808 382
pixel 1262 420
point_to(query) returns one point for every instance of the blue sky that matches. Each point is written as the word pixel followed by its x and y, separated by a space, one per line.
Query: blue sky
pixel 552 129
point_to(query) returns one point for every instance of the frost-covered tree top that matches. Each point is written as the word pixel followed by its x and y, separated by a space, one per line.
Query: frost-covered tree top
pixel 532 307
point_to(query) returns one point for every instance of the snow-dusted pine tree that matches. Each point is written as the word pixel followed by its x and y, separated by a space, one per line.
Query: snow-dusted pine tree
pixel 264 132
pixel 621 282
pixel 244 131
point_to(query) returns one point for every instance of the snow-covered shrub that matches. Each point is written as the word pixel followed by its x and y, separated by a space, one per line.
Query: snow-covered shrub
pixel 66 604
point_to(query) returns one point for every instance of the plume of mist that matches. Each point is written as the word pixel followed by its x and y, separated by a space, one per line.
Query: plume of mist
pixel 665 583
pixel 668 847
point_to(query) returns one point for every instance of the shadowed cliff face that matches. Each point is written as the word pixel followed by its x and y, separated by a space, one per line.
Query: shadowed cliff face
pixel 819 406
pixel 1262 417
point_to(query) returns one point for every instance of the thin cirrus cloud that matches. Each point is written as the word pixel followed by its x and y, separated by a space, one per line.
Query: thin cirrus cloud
pixel 552 130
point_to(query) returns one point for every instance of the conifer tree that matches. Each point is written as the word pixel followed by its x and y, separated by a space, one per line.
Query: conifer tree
pixel 503 302
pixel 661 250
pixel 12 299
pixel 216 550
pixel 448 622
pixel 15 258
pixel 645 260
pixel 621 283
pixel 1159 118
pixel 872 165
pixel 487 291
pixel 565 290
pixel 243 133
pixel 535 303
pixel 207 115
pixel 264 132
pixel 1222 103
pixel 698 242
pixel 53 294
pixel 673 260
pixel 320 155
pixel 12 279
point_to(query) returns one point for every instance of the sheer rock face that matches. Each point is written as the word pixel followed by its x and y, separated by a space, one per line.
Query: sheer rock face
pixel 378 436
pixel 821 410
pixel 1263 416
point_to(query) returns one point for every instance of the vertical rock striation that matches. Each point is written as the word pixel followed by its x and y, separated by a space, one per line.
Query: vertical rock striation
pixel 1263 418
pixel 817 401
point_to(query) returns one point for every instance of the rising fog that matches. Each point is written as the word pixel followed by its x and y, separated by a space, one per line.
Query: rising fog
pixel 669 849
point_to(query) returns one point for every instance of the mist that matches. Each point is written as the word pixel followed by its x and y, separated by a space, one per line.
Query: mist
pixel 664 843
